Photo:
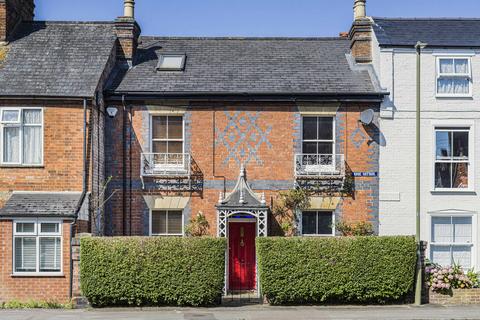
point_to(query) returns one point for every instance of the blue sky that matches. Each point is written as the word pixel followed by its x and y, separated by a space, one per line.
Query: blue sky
pixel 249 17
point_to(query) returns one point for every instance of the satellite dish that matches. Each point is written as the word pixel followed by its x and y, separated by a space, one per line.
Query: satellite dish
pixel 366 117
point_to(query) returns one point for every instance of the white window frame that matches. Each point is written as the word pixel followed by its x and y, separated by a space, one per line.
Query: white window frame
pixel 333 141
pixel 319 235
pixel 37 235
pixel 454 214
pixel 453 126
pixel 166 234
pixel 19 124
pixel 162 57
pixel 440 75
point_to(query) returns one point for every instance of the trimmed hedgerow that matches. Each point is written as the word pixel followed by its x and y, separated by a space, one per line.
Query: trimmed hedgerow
pixel 336 270
pixel 152 271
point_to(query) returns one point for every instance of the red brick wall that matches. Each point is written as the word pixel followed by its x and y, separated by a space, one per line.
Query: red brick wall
pixel 457 296
pixel 127 210
pixel 31 288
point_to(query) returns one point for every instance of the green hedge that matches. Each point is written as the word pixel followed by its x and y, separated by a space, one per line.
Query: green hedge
pixel 336 270
pixel 152 271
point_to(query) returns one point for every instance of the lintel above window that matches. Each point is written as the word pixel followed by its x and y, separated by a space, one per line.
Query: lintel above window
pixel 171 62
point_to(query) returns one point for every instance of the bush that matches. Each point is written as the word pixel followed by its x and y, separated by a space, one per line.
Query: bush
pixel 444 279
pixel 152 271
pixel 336 270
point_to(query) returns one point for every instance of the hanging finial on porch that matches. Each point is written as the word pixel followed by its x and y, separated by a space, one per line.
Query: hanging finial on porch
pixel 242 170
pixel 263 200
pixel 220 198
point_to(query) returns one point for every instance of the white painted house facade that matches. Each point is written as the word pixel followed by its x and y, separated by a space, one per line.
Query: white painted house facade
pixel 450 133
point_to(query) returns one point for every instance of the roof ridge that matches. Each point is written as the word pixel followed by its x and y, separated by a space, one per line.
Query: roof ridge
pixel 426 18
pixel 242 38
pixel 50 22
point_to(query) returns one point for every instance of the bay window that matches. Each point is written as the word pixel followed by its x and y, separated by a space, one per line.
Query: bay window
pixel 452 158
pixel 37 247
pixel 454 77
pixel 21 131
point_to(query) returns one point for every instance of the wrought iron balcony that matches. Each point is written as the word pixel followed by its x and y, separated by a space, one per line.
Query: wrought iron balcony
pixel 165 165
pixel 319 165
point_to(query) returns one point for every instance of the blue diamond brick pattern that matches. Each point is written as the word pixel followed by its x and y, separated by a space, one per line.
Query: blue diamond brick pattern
pixel 243 137
pixel 358 138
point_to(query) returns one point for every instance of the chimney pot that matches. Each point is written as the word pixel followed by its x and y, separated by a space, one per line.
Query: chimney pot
pixel 359 9
pixel 129 9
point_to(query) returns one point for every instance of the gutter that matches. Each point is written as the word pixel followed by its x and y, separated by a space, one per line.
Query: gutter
pixel 82 196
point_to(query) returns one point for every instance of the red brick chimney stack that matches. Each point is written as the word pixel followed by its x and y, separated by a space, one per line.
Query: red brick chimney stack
pixel 128 32
pixel 361 33
pixel 12 13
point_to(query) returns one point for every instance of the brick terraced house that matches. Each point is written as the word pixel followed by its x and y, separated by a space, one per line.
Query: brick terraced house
pixel 179 126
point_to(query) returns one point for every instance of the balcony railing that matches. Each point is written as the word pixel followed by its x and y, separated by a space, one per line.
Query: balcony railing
pixel 319 165
pixel 165 164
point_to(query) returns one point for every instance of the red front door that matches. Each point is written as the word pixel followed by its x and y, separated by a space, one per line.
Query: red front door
pixel 241 240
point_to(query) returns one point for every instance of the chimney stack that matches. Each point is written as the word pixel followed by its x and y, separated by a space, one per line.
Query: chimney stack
pixel 128 32
pixel 12 13
pixel 360 34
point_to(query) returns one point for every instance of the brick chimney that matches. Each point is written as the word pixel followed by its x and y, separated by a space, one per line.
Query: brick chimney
pixel 12 13
pixel 361 33
pixel 128 32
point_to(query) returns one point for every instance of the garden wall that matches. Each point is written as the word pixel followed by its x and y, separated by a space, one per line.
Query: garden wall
pixel 456 296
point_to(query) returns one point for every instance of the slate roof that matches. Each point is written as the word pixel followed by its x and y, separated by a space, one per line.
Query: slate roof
pixel 246 65
pixel 441 32
pixel 41 205
pixel 61 59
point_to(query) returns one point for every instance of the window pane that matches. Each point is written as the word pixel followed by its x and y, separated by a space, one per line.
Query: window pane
pixel 175 128
pixel 461 66
pixel 310 147
pixel 462 256
pixel 460 175
pixel 446 66
pixel 442 230
pixel 32 145
pixel 325 223
pixel 325 128
pixel 325 148
pixel 25 254
pixel 174 222
pixel 49 228
pixel 159 147
pixel 11 145
pixel 171 62
pixel 461 85
pixel 309 222
pixel 441 255
pixel 50 254
pixel 159 222
pixel 159 127
pixel 25 227
pixel 32 116
pixel 443 143
pixel 443 177
pixel 462 229
pixel 175 147
pixel 11 115
pixel 309 128
pixel 445 86
pixel 460 144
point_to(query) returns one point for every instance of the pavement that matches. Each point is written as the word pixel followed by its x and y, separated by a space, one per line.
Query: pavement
pixel 260 312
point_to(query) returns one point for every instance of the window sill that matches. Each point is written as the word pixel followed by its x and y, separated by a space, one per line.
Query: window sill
pixel 20 166
pixel 318 235
pixel 454 191
pixel 454 96
pixel 37 275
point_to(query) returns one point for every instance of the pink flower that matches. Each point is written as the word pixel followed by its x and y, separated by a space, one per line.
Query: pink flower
pixel 447 286
pixel 450 277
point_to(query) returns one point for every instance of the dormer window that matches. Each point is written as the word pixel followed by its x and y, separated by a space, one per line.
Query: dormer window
pixel 171 62
pixel 454 77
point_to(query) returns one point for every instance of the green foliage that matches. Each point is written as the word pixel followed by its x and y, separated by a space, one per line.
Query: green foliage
pixel 198 226
pixel 32 304
pixel 444 279
pixel 336 270
pixel 358 229
pixel 287 205
pixel 152 271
